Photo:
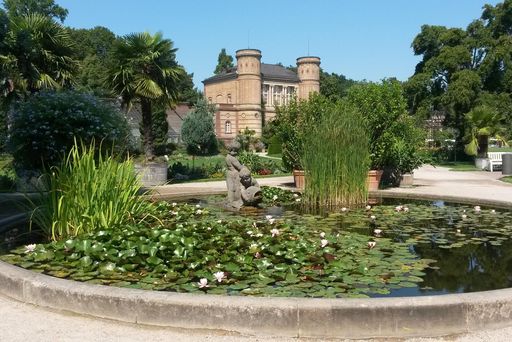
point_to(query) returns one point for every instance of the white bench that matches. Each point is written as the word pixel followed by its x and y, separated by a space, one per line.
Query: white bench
pixel 495 159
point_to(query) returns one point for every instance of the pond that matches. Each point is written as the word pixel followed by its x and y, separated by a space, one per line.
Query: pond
pixel 396 248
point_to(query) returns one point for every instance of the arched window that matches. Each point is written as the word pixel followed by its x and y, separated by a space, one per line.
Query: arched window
pixel 227 127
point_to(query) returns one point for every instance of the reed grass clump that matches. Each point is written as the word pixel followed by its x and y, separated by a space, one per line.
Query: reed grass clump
pixel 88 192
pixel 336 159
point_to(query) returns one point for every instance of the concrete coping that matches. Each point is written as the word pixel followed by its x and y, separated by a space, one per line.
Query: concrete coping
pixel 290 317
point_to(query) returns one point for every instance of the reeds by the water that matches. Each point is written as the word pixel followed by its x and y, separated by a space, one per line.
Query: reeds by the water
pixel 336 159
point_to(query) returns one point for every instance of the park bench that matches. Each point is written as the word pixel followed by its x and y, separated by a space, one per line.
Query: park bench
pixel 495 159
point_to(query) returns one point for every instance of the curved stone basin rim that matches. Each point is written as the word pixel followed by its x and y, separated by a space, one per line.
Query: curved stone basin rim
pixel 291 317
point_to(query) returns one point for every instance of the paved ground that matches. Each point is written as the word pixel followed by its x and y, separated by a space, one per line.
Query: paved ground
pixel 24 322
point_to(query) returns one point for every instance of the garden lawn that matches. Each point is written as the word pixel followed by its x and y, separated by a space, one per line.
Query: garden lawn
pixel 507 179
pixel 500 149
pixel 460 166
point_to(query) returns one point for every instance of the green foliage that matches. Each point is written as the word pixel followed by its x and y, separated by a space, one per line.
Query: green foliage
pixel 334 86
pixel 336 158
pixel 293 122
pixel 258 256
pixel 459 68
pixel 87 193
pixel 394 139
pixel 94 53
pixel 483 122
pixel 160 129
pixel 37 55
pixel 198 130
pixel 247 139
pixel 224 62
pixel 7 173
pixel 48 8
pixel 274 146
pixel 272 196
pixel 259 165
pixel 144 69
pixel 43 128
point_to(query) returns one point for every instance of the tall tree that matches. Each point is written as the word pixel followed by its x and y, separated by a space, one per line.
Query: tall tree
pixel 198 129
pixel 459 67
pixel 145 70
pixel 37 55
pixel 17 8
pixel 224 62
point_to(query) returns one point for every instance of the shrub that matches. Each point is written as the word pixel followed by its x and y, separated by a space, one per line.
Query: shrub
pixel 88 192
pixel 198 130
pixel 7 174
pixel 43 128
pixel 336 159
pixel 275 145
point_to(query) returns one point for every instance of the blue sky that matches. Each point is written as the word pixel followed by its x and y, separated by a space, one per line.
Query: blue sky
pixel 361 39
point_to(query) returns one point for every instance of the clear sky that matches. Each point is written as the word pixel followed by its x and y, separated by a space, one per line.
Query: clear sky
pixel 361 39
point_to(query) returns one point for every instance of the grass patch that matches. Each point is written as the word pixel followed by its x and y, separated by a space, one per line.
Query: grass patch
pixel 500 149
pixel 460 166
pixel 506 179
pixel 7 174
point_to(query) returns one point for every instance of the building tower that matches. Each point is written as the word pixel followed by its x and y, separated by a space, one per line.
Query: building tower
pixel 249 90
pixel 308 70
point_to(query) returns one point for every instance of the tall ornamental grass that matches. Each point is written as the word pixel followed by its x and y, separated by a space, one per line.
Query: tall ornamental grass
pixel 86 193
pixel 336 159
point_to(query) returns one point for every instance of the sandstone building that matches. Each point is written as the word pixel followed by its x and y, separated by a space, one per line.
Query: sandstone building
pixel 246 96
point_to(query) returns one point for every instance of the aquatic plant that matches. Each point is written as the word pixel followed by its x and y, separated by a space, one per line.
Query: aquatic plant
pixel 336 159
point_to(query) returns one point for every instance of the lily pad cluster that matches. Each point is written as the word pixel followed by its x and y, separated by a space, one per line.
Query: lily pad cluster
pixel 188 248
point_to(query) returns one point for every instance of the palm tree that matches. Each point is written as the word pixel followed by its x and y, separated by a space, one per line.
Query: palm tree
pixel 145 70
pixel 37 54
pixel 483 122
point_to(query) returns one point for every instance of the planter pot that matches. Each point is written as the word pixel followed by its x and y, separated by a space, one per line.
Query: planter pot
pixel 373 181
pixel 152 174
pixel 482 163
pixel 298 179
pixel 406 180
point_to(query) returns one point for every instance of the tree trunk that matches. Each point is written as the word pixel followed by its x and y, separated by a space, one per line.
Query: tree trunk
pixel 483 146
pixel 147 129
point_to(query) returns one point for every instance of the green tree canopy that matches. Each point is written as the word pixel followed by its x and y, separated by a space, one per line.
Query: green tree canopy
pixel 18 8
pixel 224 62
pixel 198 129
pixel 145 70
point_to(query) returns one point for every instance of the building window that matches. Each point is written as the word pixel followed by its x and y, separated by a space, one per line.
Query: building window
pixel 229 98
pixel 290 94
pixel 265 91
pixel 227 127
pixel 219 98
pixel 277 95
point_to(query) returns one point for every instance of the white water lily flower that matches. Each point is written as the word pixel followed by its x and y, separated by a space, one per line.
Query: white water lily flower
pixel 295 195
pixel 343 209
pixel 219 221
pixel 257 255
pixel 219 276
pixel 274 197
pixel 377 232
pixel 249 232
pixel 199 211
pixel 458 230
pixel 324 243
pixel 203 282
pixel 477 208
pixel 493 211
pixel 464 216
pixel 198 205
pixel 399 208
pixel 297 200
pixel 208 228
pixel 271 221
pixel 322 235
pixel 274 232
pixel 371 244
pixel 406 209
pixel 368 207
pixel 174 204
pixel 268 217
pixel 259 235
pixel 174 212
pixel 30 248
pixel 373 217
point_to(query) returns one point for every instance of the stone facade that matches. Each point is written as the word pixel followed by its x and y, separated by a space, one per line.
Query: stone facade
pixel 246 96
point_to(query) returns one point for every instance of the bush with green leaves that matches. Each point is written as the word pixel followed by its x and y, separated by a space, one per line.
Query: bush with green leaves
pixel 88 192
pixel 394 136
pixel 44 127
pixel 198 130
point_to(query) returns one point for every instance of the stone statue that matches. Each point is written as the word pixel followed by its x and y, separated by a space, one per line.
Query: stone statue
pixel 242 189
